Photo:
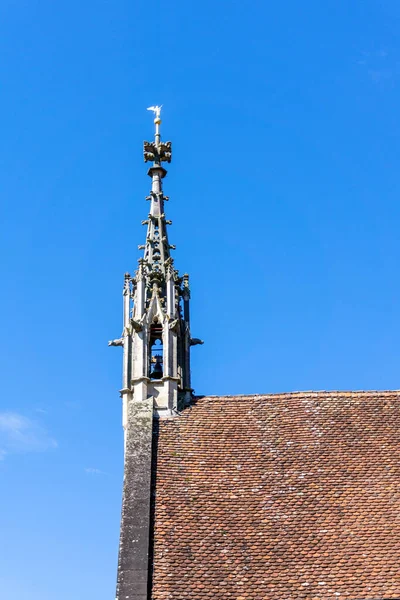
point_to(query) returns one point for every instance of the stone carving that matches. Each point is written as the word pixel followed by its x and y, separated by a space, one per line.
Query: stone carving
pixel 119 342
pixel 173 324
pixel 136 325
pixel 157 153
pixel 127 284
pixel 195 342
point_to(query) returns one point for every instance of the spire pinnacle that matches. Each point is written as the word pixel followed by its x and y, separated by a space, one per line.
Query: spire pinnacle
pixel 157 151
pixel 157 248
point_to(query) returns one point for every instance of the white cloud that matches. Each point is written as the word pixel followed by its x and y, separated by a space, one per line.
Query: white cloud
pixel 19 434
pixel 93 471
pixel 378 65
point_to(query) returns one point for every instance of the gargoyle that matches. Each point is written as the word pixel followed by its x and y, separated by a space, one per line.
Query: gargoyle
pixel 136 325
pixel 119 342
pixel 196 341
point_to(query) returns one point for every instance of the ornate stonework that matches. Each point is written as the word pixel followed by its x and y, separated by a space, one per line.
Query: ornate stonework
pixel 156 306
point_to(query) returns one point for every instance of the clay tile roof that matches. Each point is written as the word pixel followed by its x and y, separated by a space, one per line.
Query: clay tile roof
pixel 279 497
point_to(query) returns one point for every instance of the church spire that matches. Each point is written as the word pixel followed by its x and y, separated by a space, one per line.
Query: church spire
pixel 156 370
pixel 156 335
pixel 157 249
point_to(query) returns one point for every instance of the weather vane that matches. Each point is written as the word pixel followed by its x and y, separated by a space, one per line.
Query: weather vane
pixel 157 111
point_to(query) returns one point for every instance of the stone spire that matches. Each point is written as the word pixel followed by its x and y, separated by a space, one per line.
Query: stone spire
pixel 156 332
pixel 156 372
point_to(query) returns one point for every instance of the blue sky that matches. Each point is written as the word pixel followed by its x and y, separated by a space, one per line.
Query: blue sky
pixel 284 194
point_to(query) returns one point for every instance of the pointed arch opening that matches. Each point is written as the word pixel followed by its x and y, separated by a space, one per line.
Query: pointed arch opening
pixel 156 367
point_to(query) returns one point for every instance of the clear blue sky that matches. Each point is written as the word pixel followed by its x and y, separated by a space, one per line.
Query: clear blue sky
pixel 284 193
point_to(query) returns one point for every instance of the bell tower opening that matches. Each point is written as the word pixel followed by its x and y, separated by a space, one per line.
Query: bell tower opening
pixel 156 353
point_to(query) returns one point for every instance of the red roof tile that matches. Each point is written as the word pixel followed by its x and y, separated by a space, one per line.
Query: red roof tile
pixel 290 496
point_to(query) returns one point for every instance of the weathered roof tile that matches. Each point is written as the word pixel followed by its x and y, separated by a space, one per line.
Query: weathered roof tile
pixel 287 496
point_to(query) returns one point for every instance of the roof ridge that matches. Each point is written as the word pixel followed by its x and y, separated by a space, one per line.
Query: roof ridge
pixel 303 393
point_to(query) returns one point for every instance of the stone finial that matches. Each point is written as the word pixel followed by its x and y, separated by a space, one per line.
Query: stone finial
pixel 157 153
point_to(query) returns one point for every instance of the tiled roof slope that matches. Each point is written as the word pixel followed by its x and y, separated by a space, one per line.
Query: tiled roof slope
pixel 280 497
